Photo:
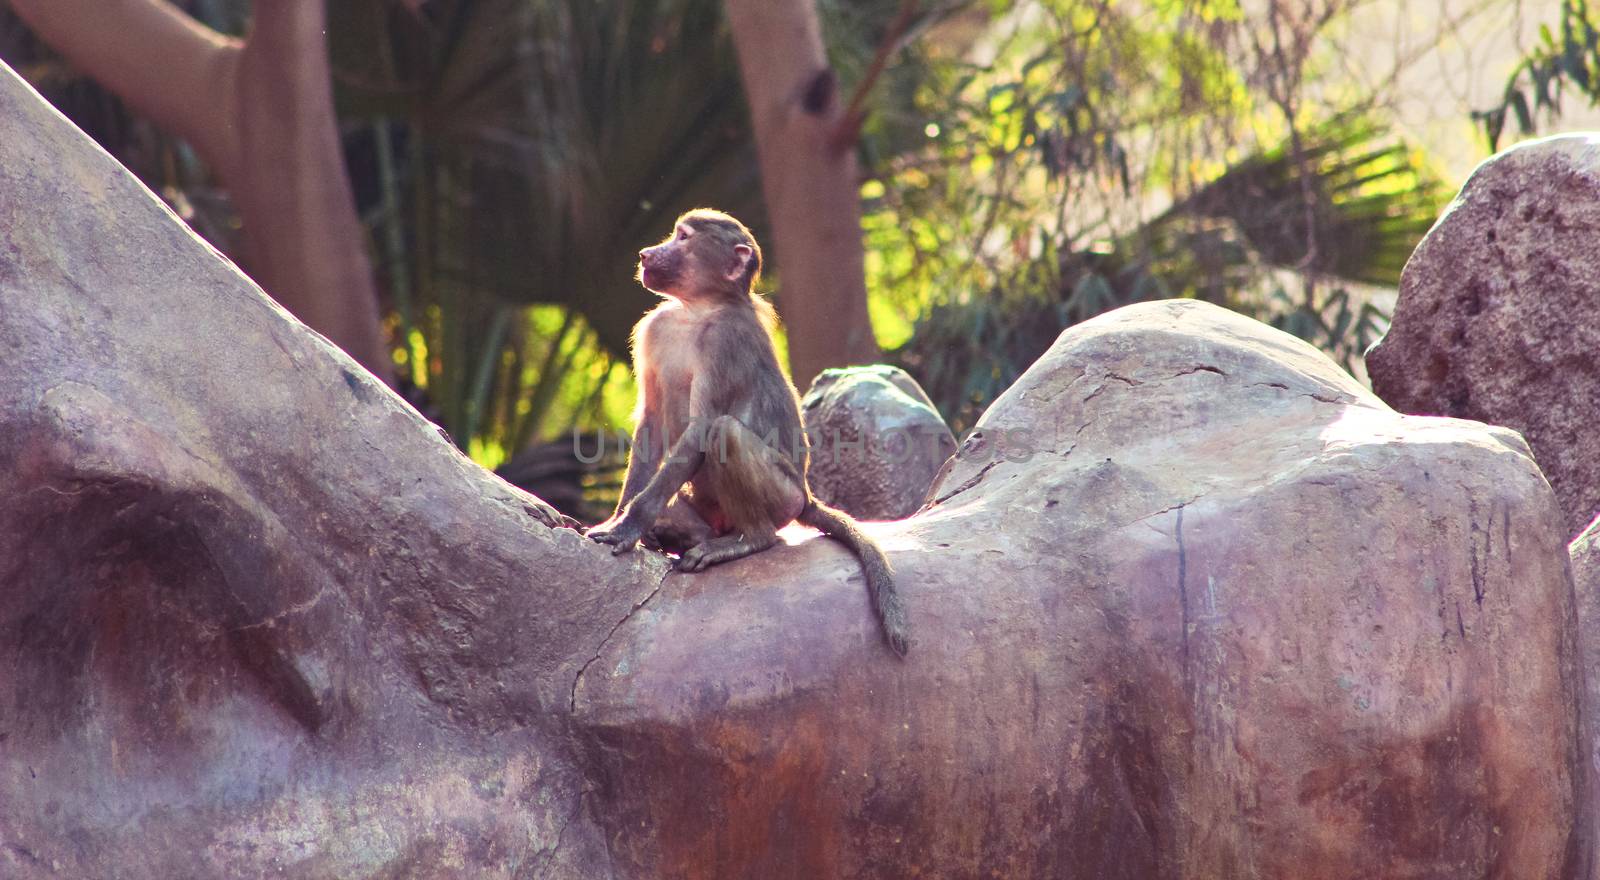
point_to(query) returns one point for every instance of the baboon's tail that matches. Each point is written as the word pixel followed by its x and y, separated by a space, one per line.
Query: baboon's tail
pixel 880 577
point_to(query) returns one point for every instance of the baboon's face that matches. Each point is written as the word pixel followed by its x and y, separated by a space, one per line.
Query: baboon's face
pixel 665 267
pixel 708 255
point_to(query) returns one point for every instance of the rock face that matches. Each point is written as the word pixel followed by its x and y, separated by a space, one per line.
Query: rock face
pixel 1496 319
pixel 1191 604
pixel 1585 551
pixel 877 441
pixel 257 618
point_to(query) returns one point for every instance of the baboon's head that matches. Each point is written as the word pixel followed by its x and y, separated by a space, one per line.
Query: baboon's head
pixel 708 254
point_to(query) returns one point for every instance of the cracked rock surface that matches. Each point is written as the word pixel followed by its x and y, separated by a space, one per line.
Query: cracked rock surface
pixel 1191 603
pixel 1495 319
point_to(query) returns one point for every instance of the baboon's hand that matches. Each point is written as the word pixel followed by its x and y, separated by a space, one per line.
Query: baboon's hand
pixel 622 534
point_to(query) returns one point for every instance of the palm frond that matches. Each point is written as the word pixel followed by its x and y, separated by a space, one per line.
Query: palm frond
pixel 1230 243
pixel 1372 199
pixel 522 154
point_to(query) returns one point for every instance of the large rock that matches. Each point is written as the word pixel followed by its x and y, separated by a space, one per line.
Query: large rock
pixel 1499 312
pixel 1585 552
pixel 877 441
pixel 257 617
pixel 1192 604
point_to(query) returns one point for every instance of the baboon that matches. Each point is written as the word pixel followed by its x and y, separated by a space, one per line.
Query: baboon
pixel 719 454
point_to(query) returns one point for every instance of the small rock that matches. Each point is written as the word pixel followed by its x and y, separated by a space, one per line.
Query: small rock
pixel 877 442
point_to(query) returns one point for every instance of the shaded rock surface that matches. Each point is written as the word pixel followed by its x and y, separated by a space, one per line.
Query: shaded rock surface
pixel 1191 604
pixel 877 441
pixel 1497 317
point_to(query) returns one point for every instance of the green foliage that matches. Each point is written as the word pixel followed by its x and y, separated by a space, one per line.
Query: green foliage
pixel 1372 200
pixel 521 153
pixel 1539 80
pixel 1028 166
pixel 1048 148
pixel 1341 325
pixel 1023 209
pixel 1375 201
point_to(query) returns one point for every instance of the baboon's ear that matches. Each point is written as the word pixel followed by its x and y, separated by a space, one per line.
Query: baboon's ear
pixel 740 262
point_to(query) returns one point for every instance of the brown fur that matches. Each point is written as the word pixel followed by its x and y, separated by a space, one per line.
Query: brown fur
pixel 720 455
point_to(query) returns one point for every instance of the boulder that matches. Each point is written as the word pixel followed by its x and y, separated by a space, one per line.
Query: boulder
pixel 1497 319
pixel 1192 603
pixel 257 617
pixel 877 441
pixel 1585 552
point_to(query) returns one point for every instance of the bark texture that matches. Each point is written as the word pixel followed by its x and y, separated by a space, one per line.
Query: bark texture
pixel 1493 320
pixel 811 184
pixel 1191 603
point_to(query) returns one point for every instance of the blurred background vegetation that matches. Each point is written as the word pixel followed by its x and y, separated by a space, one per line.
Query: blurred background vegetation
pixel 1025 165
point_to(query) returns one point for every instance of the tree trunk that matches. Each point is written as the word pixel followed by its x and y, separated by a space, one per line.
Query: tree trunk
pixel 810 182
pixel 261 114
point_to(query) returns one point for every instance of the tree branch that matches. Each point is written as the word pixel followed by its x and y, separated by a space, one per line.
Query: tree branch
pixel 167 66
pixel 849 128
